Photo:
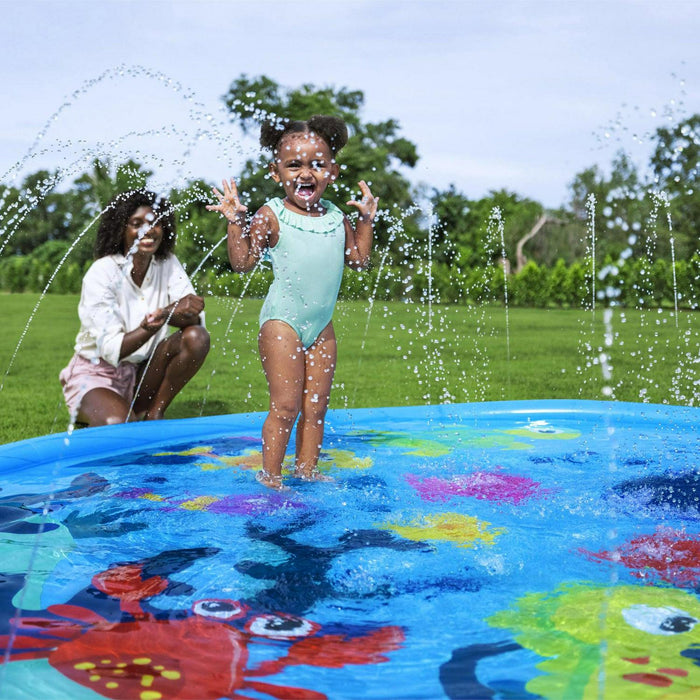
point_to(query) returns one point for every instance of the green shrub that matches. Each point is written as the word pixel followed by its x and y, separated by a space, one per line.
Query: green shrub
pixel 638 282
pixel 530 286
pixel 14 273
pixel 559 292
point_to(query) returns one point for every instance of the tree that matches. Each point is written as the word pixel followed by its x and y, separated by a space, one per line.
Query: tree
pixel 620 207
pixel 199 234
pixel 675 163
pixel 375 152
pixel 455 235
pixel 41 223
pixel 463 228
pixel 33 214
pixel 101 184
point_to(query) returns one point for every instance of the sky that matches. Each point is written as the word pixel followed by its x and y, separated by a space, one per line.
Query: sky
pixel 513 94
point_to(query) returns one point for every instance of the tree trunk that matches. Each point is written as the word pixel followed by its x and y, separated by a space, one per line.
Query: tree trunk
pixel 520 258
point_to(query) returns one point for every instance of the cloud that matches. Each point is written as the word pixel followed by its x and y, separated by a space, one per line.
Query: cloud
pixel 500 87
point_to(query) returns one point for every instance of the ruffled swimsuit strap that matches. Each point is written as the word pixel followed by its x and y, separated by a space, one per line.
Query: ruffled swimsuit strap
pixel 326 224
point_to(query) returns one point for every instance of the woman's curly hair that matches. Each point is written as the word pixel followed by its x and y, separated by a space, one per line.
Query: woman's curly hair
pixel 110 232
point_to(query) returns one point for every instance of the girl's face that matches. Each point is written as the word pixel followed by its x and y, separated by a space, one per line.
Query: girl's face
pixel 304 165
pixel 143 232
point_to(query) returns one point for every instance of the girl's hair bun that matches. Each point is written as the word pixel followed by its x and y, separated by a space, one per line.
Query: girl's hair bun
pixel 271 131
pixel 331 129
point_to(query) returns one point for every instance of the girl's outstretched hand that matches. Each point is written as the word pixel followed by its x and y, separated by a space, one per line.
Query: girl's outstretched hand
pixel 229 204
pixel 367 206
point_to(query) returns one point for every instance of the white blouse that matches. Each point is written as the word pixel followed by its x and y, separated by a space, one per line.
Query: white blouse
pixel 111 305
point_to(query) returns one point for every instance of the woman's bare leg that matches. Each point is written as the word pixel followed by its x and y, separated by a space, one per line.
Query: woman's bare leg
pixel 320 360
pixel 282 359
pixel 175 361
pixel 103 407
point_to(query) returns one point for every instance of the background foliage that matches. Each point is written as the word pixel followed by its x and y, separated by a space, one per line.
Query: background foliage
pixel 641 228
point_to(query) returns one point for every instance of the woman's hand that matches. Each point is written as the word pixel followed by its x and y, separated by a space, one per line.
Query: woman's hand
pixel 367 206
pixel 229 204
pixel 184 312
pixel 154 321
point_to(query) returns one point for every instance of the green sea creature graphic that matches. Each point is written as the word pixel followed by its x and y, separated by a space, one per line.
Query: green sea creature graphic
pixel 609 642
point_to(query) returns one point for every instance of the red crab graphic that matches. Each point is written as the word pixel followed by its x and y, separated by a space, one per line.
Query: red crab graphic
pixel 197 656
pixel 673 556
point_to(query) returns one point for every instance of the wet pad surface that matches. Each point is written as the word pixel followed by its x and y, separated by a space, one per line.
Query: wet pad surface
pixel 506 550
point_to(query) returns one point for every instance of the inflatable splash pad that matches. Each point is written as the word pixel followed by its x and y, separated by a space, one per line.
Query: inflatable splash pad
pixel 496 550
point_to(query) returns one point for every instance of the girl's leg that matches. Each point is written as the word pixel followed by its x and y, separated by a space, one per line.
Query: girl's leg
pixel 103 407
pixel 175 361
pixel 320 361
pixel 282 359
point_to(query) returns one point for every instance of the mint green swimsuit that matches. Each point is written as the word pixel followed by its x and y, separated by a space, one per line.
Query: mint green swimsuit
pixel 307 263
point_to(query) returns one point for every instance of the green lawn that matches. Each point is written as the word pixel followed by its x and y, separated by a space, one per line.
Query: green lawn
pixel 401 354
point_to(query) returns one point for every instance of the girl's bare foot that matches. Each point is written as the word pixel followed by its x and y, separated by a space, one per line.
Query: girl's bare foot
pixel 272 481
pixel 310 474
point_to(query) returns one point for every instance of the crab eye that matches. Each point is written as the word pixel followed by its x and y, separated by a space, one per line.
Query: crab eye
pixel 281 626
pixel 663 620
pixel 221 609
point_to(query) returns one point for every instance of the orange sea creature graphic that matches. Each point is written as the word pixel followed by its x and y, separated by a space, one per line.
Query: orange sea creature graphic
pixel 202 653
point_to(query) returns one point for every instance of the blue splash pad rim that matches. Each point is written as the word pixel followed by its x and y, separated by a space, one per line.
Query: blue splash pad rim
pixel 118 439
pixel 460 653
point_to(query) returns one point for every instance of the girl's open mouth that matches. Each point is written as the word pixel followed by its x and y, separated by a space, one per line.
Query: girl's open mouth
pixel 305 190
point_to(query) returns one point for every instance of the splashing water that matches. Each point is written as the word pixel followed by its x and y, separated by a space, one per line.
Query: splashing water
pixel 461 526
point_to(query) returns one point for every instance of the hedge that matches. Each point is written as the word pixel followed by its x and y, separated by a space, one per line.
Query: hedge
pixel 636 282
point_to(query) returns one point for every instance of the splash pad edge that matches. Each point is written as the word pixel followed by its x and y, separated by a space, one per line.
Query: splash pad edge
pixel 117 439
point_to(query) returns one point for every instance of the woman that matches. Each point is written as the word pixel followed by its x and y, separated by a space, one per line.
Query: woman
pixel 126 366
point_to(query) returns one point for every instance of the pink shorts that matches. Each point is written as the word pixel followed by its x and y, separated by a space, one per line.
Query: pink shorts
pixel 81 375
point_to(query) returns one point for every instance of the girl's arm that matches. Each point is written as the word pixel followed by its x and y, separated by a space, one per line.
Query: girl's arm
pixel 358 240
pixel 245 243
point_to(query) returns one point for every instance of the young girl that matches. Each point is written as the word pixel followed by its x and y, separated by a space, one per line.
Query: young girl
pixel 133 291
pixel 307 239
